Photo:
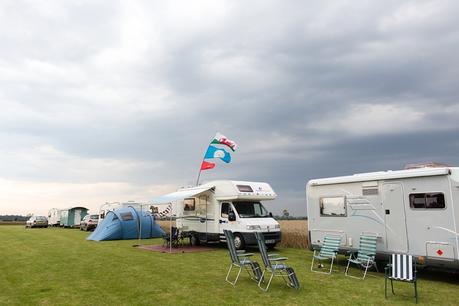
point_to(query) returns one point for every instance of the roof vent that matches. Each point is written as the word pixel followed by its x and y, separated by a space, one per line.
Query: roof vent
pixel 425 165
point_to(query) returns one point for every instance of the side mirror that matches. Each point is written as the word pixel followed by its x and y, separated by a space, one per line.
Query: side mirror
pixel 271 214
pixel 231 216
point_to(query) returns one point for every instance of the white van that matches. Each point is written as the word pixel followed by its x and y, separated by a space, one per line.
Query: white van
pixel 203 212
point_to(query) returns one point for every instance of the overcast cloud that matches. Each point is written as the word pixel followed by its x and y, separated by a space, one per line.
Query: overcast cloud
pixel 117 100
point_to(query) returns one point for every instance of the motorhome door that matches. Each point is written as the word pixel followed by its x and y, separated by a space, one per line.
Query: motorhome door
pixel 395 222
pixel 226 209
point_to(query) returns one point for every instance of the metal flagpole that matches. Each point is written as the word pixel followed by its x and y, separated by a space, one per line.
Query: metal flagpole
pixel 170 230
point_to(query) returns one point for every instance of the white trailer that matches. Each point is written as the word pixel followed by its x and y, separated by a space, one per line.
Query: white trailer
pixel 54 217
pixel 205 211
pixel 111 206
pixel 410 211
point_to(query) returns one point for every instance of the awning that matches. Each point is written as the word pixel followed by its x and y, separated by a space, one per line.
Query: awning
pixel 180 195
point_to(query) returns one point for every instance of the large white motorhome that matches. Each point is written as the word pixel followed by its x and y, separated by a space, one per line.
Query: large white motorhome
pixel 205 211
pixel 410 211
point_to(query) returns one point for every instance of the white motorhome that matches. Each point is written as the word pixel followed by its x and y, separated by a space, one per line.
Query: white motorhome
pixel 205 211
pixel 411 211
pixel 54 217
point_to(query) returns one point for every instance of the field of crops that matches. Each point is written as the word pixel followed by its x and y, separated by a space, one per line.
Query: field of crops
pixel 294 232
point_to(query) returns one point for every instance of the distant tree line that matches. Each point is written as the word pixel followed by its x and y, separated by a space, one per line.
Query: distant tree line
pixel 13 218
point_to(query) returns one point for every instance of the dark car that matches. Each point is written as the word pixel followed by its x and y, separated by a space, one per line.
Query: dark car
pixel 89 222
pixel 37 221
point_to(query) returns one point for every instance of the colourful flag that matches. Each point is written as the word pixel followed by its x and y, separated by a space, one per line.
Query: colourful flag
pixel 214 152
pixel 206 165
pixel 221 139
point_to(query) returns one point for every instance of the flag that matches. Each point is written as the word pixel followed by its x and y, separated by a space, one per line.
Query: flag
pixel 206 165
pixel 221 139
pixel 214 152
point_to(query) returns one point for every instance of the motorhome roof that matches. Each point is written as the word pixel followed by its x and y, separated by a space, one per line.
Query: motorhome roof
pixel 381 175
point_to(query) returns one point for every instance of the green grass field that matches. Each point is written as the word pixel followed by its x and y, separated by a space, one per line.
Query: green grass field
pixel 59 267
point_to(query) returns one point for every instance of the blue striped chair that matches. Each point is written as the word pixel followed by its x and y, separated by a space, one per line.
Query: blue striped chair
pixel 402 268
pixel 328 251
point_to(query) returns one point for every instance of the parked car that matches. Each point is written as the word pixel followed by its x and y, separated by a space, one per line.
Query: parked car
pixel 89 222
pixel 37 221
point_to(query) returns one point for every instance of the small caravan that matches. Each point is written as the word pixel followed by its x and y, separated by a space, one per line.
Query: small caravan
pixel 413 211
pixel 71 217
pixel 54 217
pixel 203 212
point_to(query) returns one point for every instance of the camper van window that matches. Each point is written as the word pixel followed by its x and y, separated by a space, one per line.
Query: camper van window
pixel 126 216
pixel 250 210
pixel 225 210
pixel 333 206
pixel 189 204
pixel 244 188
pixel 427 200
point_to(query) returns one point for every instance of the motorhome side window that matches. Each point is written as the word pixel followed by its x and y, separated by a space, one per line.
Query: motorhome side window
pixel 427 200
pixel 333 206
pixel 189 204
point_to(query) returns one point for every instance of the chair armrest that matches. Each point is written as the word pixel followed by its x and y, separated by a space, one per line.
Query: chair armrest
pixel 278 259
pixel 245 254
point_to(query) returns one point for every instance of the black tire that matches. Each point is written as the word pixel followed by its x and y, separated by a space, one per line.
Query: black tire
pixel 195 240
pixel 239 242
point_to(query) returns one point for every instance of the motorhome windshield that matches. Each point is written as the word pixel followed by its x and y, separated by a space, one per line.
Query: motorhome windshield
pixel 250 210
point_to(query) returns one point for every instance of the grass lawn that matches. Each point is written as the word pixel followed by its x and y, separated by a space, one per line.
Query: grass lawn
pixel 59 267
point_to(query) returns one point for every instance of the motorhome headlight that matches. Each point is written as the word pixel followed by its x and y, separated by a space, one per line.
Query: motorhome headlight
pixel 253 227
pixel 277 226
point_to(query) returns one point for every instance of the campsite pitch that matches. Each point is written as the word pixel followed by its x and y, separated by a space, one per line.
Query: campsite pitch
pixel 59 267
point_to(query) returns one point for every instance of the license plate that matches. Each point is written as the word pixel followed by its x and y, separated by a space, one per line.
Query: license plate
pixel 270 241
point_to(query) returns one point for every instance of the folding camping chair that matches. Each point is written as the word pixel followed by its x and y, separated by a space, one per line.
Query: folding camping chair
pixel 365 255
pixel 402 268
pixel 328 251
pixel 240 260
pixel 274 266
pixel 172 238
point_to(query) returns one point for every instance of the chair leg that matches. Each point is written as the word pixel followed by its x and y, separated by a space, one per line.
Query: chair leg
pixel 237 276
pixel 347 268
pixel 269 282
pixel 416 291
pixel 331 265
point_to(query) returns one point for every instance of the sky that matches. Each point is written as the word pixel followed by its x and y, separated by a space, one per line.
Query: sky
pixel 104 101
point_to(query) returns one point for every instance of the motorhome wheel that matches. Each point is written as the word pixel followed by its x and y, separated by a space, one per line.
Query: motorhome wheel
pixel 238 242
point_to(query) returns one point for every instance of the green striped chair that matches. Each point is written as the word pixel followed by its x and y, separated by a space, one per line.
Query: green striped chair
pixel 328 251
pixel 365 257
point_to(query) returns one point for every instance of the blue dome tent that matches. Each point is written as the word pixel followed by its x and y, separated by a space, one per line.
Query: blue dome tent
pixel 126 223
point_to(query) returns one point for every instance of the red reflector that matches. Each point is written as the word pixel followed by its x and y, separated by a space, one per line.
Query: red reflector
pixel 440 252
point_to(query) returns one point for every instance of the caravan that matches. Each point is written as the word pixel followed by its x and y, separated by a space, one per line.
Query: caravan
pixel 410 211
pixel 203 212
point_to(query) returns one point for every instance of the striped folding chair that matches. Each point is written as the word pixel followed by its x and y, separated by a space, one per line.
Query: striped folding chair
pixel 365 257
pixel 328 251
pixel 402 268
